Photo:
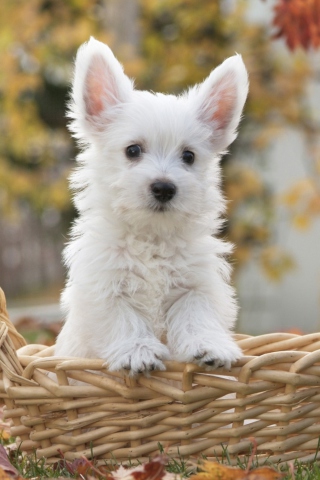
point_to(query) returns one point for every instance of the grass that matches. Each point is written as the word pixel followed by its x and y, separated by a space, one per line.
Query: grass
pixel 31 467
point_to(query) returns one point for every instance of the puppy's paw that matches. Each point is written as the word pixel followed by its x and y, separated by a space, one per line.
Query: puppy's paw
pixel 144 362
pixel 217 356
pixel 141 358
pixel 211 354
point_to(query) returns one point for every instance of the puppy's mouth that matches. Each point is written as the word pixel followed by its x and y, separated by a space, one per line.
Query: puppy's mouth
pixel 160 207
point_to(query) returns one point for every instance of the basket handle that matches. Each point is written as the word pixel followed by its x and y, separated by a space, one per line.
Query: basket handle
pixel 17 339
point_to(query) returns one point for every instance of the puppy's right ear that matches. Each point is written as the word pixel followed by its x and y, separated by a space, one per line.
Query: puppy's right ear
pixel 99 86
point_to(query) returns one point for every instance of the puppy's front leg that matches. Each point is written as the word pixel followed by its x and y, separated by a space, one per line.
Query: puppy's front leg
pixel 120 334
pixel 131 344
pixel 197 334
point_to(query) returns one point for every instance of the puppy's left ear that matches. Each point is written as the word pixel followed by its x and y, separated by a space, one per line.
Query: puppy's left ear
pixel 99 88
pixel 221 98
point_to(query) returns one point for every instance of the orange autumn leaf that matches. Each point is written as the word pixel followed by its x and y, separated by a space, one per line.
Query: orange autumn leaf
pixel 80 466
pixel 213 471
pixel 4 475
pixel 217 471
pixel 264 473
pixel 298 22
pixel 5 435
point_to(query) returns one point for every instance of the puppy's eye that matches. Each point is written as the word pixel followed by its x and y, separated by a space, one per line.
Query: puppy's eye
pixel 133 151
pixel 188 157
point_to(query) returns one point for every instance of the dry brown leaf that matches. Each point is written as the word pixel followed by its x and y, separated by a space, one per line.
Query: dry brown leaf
pixel 153 470
pixel 79 466
pixel 5 464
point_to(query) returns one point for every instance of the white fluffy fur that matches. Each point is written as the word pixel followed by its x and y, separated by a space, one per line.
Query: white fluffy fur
pixel 137 273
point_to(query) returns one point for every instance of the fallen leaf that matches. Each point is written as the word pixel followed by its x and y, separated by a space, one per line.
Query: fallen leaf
pixel 154 470
pixel 80 466
pixel 4 426
pixel 264 473
pixel 5 435
pixel 5 475
pixel 217 471
pixel 5 464
pixel 11 447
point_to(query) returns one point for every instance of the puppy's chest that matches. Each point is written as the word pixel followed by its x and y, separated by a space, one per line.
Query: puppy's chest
pixel 152 273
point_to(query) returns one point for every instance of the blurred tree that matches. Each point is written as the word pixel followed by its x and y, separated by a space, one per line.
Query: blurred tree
pixel 298 24
pixel 38 40
pixel 182 41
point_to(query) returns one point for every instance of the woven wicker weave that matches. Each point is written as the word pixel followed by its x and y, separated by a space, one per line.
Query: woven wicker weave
pixel 272 394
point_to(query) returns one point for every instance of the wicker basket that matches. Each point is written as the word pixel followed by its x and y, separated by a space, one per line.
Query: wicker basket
pixel 272 394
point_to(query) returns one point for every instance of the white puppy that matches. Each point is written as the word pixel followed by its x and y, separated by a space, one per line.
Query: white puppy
pixel 143 262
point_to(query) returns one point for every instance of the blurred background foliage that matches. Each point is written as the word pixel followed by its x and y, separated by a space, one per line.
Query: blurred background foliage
pixel 38 40
pixel 182 40
pixel 175 43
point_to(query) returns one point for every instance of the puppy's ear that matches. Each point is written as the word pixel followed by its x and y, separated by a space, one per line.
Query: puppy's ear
pixel 221 98
pixel 99 86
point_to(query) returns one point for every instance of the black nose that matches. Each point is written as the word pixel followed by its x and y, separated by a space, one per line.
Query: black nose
pixel 163 191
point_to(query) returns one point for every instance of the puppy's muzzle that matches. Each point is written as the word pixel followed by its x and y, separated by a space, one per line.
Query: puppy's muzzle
pixel 163 191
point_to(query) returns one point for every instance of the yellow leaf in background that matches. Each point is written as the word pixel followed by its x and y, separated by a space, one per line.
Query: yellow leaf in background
pixel 267 135
pixel 241 254
pixel 276 262
pixel 242 182
pixel 302 222
pixel 314 205
pixel 303 202
pixel 300 192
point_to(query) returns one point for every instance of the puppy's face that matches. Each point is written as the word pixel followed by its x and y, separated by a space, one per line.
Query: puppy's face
pixel 155 156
